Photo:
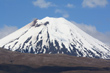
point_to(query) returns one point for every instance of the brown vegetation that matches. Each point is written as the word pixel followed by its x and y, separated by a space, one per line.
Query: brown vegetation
pixel 15 62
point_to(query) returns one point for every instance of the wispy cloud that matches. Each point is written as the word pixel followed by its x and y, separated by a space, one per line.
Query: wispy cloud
pixel 43 4
pixel 58 11
pixel 64 13
pixel 94 3
pixel 6 30
pixel 91 30
pixel 70 5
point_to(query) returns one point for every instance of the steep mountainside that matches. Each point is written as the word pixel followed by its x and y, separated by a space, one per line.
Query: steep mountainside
pixel 54 36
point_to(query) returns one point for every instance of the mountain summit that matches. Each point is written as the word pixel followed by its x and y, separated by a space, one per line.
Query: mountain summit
pixel 55 36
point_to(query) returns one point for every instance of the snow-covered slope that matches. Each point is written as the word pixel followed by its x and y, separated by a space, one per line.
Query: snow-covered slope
pixel 55 35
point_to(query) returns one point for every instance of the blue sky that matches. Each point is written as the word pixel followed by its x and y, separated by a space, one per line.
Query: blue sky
pixel 92 16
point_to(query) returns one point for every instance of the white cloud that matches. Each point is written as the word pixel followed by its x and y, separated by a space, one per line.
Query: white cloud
pixel 42 4
pixel 6 30
pixel 70 5
pixel 91 30
pixel 94 3
pixel 64 13
pixel 58 11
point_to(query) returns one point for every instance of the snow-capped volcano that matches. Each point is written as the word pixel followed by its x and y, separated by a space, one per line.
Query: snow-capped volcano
pixel 54 36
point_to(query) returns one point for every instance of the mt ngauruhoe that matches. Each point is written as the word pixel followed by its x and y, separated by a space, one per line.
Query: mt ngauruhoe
pixel 55 36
